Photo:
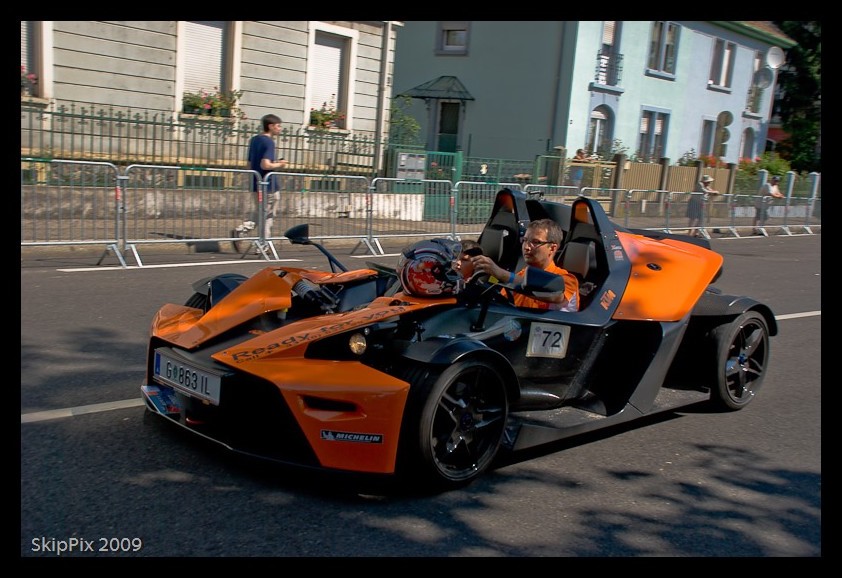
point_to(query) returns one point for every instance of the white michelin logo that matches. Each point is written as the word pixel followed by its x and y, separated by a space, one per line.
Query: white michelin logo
pixel 341 436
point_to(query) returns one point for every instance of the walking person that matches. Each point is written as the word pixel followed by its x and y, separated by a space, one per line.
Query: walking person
pixel 261 158
pixel 767 193
pixel 696 204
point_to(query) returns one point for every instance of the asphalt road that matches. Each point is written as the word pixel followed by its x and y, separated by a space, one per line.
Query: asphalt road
pixel 113 483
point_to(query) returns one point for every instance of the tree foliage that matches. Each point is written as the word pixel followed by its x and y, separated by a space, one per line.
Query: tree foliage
pixel 403 128
pixel 800 103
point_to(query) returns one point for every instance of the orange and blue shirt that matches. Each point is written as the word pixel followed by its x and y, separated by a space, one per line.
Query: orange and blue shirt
pixel 571 292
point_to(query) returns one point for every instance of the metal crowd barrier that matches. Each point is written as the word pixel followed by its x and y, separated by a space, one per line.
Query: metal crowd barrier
pixel 65 202
pixel 721 214
pixel 94 203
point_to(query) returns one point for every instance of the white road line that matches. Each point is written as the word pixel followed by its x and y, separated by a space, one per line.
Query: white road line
pixel 170 265
pixel 372 256
pixel 80 410
pixel 797 315
pixel 127 403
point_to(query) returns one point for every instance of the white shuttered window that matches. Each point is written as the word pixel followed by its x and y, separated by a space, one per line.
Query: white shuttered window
pixel 28 58
pixel 24 44
pixel 328 72
pixel 204 56
pixel 331 75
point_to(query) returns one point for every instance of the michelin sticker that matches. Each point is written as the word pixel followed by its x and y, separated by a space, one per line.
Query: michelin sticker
pixel 344 436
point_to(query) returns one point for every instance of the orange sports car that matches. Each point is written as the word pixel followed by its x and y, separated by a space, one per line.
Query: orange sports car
pixel 417 375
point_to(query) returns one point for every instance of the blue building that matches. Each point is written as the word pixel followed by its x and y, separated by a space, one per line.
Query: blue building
pixel 649 89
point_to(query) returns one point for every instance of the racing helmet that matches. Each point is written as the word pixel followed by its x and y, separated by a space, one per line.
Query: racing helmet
pixel 425 268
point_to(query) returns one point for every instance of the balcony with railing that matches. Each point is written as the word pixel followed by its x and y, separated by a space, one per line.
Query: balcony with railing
pixel 753 99
pixel 609 68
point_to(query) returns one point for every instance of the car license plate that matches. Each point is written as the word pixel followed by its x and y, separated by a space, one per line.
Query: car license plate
pixel 548 340
pixel 187 378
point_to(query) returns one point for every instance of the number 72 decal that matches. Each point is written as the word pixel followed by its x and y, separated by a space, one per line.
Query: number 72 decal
pixel 548 340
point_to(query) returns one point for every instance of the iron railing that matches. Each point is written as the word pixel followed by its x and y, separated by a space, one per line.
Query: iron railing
pixel 106 134
pixel 97 133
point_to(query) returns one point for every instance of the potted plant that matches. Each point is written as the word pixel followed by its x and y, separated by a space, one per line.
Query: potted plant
pixel 28 80
pixel 216 103
pixel 327 117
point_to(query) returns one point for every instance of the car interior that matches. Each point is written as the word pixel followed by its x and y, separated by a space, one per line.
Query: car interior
pixel 500 239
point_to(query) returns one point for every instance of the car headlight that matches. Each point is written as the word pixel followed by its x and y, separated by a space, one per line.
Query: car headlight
pixel 357 343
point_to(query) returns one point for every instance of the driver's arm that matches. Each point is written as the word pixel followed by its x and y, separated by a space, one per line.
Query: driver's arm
pixel 515 281
pixel 484 264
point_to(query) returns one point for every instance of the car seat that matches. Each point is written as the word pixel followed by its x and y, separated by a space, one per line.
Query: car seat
pixel 500 239
pixel 579 254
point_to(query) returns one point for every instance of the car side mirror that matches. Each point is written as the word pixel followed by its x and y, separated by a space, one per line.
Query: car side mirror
pixel 540 283
pixel 299 234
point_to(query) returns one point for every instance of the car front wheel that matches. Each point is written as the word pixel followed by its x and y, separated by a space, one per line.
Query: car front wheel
pixel 742 356
pixel 454 424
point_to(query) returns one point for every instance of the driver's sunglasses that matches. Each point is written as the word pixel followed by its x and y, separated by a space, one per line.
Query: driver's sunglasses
pixel 533 243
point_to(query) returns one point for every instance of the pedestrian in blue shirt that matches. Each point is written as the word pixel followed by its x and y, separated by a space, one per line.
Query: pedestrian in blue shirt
pixel 261 157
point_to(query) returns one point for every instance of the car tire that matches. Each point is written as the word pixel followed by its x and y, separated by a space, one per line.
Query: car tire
pixel 453 426
pixel 742 356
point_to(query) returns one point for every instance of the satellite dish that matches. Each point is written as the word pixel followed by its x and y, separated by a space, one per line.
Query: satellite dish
pixel 774 57
pixel 763 78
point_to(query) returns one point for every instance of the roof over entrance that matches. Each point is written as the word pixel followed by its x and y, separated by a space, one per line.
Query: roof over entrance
pixel 443 87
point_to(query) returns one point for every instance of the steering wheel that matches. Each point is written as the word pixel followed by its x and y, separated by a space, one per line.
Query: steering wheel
pixel 479 283
pixel 479 278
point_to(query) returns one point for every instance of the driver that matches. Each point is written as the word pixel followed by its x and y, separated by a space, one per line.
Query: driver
pixel 540 242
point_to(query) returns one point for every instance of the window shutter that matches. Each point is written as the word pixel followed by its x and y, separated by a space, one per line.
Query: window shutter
pixel 27 53
pixel 328 55
pixel 608 33
pixel 204 49
pixel 24 44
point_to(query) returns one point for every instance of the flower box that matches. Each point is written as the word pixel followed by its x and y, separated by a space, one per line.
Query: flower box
pixel 212 104
pixel 327 118
pixel 197 111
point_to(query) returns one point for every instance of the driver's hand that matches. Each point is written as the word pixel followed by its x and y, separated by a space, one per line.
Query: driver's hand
pixel 484 264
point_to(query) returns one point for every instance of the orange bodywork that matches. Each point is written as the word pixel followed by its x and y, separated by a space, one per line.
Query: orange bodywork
pixel 667 277
pixel 263 292
pixel 372 402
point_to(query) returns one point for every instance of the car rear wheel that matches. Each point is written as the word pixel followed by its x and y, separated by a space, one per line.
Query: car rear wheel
pixel 742 355
pixel 454 424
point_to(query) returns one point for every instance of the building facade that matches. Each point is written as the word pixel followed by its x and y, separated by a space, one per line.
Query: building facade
pixel 289 68
pixel 649 89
